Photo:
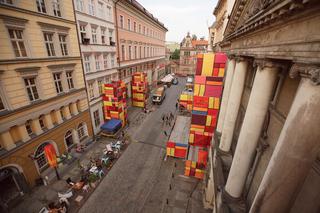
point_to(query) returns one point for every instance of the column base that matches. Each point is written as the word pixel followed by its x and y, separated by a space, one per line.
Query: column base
pixel 226 158
pixel 235 205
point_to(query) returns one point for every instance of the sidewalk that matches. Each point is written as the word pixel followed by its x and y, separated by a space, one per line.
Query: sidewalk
pixel 41 196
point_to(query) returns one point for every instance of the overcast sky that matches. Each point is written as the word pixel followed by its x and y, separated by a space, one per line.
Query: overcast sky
pixel 181 16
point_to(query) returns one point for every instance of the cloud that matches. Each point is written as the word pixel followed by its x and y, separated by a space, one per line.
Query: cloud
pixel 181 16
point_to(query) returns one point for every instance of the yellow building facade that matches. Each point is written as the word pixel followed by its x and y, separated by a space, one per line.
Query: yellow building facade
pixel 43 96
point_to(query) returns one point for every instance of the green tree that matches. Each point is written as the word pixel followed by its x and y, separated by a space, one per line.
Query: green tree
pixel 175 55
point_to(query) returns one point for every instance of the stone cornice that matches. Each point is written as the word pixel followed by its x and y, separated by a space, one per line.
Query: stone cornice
pixel 264 63
pixel 311 71
pixel 261 12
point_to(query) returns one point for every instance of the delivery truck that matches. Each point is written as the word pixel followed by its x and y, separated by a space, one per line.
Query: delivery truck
pixel 159 95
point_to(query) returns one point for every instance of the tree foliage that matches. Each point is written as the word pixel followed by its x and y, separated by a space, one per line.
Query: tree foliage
pixel 175 55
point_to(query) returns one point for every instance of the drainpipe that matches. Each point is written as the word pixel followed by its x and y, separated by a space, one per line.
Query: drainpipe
pixel 117 33
pixel 84 75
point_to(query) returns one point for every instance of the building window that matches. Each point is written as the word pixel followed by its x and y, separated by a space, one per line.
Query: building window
pixel 41 6
pixel 63 44
pixel 97 61
pixel 140 52
pixel 144 30
pixel 130 53
pixel 100 10
pixel 41 122
pixel 87 65
pixel 82 131
pixel 109 12
pixel 96 118
pixel 56 8
pixel 134 26
pixel 105 61
pixel 58 82
pixel 91 7
pixel 83 33
pixel 17 41
pixel 129 24
pixel 112 60
pixel 139 28
pixel 48 39
pixel 61 113
pixel 144 52
pixel 69 139
pixel 91 92
pixel 123 53
pixel 100 87
pixel 6 2
pixel 147 31
pixel 41 157
pixel 135 52
pixel 70 80
pixel 94 35
pixel 2 107
pixel 103 36
pixel 28 127
pixel 31 87
pixel 80 5
pixel 121 21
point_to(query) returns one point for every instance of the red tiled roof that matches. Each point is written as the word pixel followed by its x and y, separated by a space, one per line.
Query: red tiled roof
pixel 199 42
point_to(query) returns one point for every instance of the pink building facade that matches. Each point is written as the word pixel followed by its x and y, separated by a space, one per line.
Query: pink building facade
pixel 140 42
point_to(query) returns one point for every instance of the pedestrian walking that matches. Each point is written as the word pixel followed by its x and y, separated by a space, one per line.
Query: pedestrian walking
pixel 171 116
pixel 165 133
pixel 176 105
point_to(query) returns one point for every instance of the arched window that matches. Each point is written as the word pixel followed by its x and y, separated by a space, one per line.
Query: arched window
pixel 68 138
pixel 41 158
pixel 82 130
pixel 29 127
pixel 41 122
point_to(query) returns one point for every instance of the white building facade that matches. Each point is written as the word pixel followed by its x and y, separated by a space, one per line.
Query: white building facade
pixel 96 30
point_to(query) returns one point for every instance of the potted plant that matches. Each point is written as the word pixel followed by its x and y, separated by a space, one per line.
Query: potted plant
pixel 92 179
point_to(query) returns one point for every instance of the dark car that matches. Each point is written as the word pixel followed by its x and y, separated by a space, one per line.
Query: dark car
pixel 175 81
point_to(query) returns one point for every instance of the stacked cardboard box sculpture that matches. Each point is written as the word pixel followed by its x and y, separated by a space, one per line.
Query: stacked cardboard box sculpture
pixel 177 146
pixel 114 101
pixel 185 100
pixel 139 89
pixel 206 102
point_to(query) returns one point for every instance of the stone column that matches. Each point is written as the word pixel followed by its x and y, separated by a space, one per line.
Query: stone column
pixel 58 116
pixel 23 133
pixel 48 121
pixel 233 103
pixel 74 109
pixel 251 127
pixel 75 136
pixel 7 141
pixel 226 92
pixel 296 149
pixel 36 126
pixel 66 112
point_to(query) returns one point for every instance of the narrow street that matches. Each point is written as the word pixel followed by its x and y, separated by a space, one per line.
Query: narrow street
pixel 128 185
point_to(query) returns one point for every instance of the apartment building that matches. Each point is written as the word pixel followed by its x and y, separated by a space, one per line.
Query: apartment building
pixel 95 21
pixel 141 42
pixel 42 91
pixel 266 156
pixel 189 48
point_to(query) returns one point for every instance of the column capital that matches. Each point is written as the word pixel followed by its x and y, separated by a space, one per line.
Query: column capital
pixel 267 63
pixel 240 58
pixel 311 71
pixel 231 56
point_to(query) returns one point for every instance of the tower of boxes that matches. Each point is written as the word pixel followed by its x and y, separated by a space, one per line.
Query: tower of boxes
pixel 139 89
pixel 114 101
pixel 208 84
pixel 185 100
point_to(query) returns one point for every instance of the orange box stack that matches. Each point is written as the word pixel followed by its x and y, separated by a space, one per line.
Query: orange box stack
pixel 139 89
pixel 206 103
pixel 114 101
